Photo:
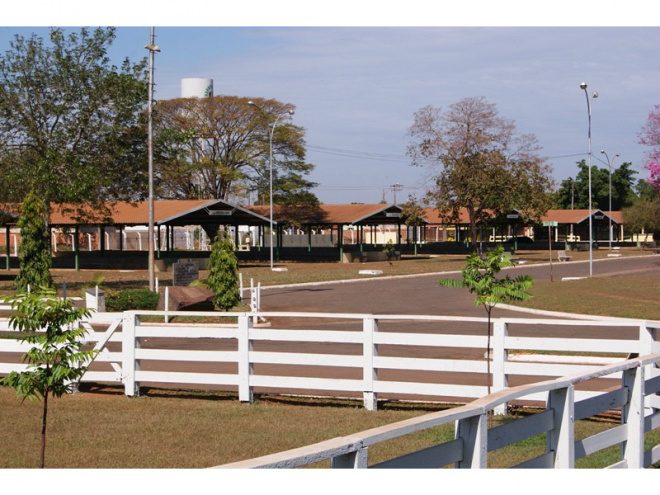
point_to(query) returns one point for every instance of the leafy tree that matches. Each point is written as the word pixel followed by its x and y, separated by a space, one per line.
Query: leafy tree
pixel 413 215
pixel 35 262
pixel 219 147
pixel 223 276
pixel 479 276
pixel 643 216
pixel 56 359
pixel 70 126
pixel 645 191
pixel 486 167
pixel 574 192
pixel 650 136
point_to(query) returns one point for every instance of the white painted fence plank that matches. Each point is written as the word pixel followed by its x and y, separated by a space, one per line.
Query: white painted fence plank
pixel 185 377
pixel 572 345
pixel 600 441
pixel 186 332
pixel 599 403
pixel 436 389
pixel 306 336
pixel 192 356
pixel 430 340
pixel 11 345
pixel 428 364
pixel 297 382
pixel 101 376
pixel 334 360
pixel 430 458
pixel 549 369
pixel 6 368
pixel 519 430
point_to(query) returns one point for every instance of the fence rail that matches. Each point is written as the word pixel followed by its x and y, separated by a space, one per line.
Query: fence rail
pixel 364 361
pixel 474 440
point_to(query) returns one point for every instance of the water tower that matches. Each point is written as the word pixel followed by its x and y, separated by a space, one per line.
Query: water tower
pixel 196 87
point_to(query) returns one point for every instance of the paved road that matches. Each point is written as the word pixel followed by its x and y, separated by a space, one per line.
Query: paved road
pixel 421 294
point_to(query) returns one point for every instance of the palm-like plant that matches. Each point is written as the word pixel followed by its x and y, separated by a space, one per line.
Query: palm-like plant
pixel 479 276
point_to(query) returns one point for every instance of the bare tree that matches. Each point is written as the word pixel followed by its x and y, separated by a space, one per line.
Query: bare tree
pixel 486 167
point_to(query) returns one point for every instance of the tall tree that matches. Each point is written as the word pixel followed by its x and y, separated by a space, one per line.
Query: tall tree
pixel 219 147
pixel 69 120
pixel 35 263
pixel 574 191
pixel 486 167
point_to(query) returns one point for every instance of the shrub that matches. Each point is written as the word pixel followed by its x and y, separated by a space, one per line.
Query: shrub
pixel 126 300
pixel 223 276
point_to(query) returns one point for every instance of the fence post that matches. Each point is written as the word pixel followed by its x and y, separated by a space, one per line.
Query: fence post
pixel 129 344
pixel 561 439
pixel 355 460
pixel 245 368
pixel 632 415
pixel 649 345
pixel 167 304
pixel 500 357
pixel 369 353
pixel 474 433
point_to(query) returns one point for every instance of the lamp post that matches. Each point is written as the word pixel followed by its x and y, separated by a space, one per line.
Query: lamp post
pixel 152 47
pixel 609 165
pixel 270 166
pixel 591 255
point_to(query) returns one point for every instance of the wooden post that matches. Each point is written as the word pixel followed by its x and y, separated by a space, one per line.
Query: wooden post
pixel 245 368
pixel 561 439
pixel 370 373
pixel 632 415
pixel 473 432
pixel 129 363
pixel 500 357
pixel 648 344
pixel 354 460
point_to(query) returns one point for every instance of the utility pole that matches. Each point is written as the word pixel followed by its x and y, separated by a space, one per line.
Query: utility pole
pixel 152 47
pixel 394 188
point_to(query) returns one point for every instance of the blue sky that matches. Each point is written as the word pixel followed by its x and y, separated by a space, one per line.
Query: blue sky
pixel 356 81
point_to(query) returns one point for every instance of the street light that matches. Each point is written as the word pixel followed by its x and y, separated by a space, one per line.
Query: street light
pixel 591 255
pixel 609 164
pixel 270 166
pixel 152 47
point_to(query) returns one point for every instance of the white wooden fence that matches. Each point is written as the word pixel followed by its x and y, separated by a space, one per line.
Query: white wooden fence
pixel 245 358
pixel 473 440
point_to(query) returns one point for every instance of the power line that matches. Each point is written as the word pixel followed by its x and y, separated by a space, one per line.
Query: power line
pixel 359 154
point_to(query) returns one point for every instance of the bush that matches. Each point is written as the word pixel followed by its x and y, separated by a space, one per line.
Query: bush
pixel 223 276
pixel 126 300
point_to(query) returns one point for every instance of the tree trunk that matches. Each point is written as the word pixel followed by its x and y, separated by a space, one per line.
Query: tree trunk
pixel 43 430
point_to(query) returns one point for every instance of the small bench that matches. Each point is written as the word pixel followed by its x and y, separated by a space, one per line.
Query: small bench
pixel 562 256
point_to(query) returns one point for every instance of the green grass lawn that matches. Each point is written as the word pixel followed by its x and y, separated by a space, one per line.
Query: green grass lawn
pixel 166 429
pixel 635 296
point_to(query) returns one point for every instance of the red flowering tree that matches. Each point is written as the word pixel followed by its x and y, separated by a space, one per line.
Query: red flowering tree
pixel 650 136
